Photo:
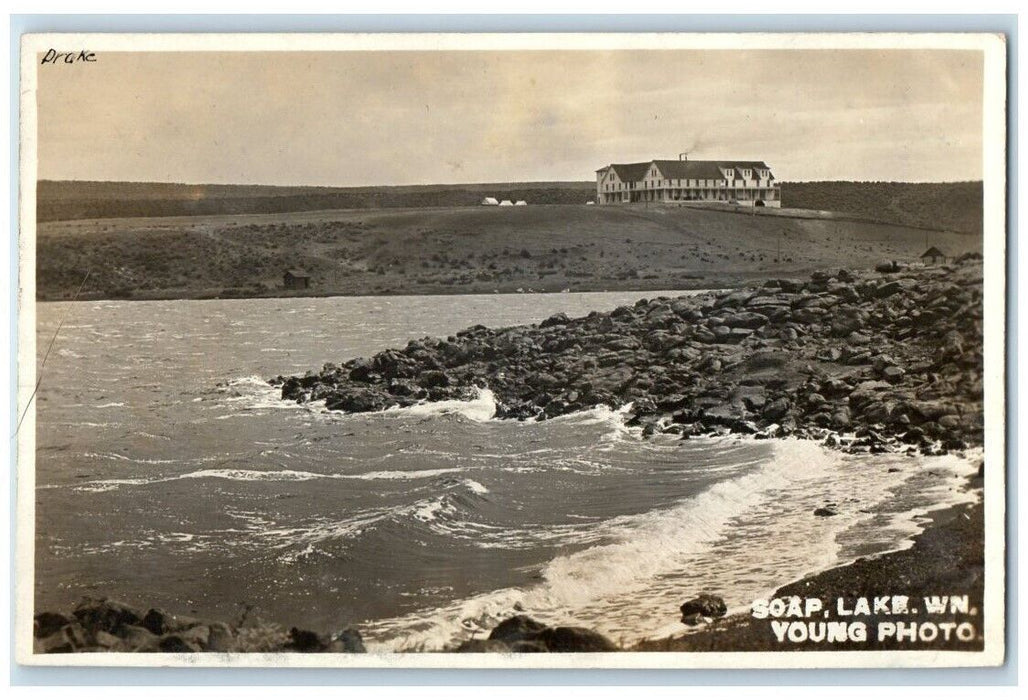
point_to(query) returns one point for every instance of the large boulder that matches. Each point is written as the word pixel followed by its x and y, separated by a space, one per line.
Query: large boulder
pixel 348 641
pixel 106 615
pixel 306 641
pixel 66 640
pixel 847 319
pixel 574 639
pixel 357 400
pixel 47 623
pixel 704 605
pixel 746 319
pixel 517 628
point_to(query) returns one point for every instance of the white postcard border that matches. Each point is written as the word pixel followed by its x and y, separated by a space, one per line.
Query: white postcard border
pixel 994 287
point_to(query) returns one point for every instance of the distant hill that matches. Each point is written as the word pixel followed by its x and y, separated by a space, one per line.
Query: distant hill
pixel 459 249
pixel 953 206
pixel 70 200
pixel 946 206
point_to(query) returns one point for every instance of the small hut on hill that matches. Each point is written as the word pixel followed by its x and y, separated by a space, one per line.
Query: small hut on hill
pixel 296 279
pixel 933 256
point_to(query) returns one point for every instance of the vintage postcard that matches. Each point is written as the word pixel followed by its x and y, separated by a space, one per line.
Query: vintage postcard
pixel 410 350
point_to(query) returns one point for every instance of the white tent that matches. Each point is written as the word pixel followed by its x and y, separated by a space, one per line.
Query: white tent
pixel 506 203
pixel 489 202
pixel 521 203
pixel 590 202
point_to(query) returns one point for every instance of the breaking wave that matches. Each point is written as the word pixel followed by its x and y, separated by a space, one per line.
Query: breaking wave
pixel 481 408
pixel 744 537
pixel 263 475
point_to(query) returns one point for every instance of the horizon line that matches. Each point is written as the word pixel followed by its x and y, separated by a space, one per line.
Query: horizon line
pixel 452 184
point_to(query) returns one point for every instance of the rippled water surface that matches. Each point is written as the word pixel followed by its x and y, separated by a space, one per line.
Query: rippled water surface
pixel 168 473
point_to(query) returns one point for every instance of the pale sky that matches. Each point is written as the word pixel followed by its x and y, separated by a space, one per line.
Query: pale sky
pixel 392 118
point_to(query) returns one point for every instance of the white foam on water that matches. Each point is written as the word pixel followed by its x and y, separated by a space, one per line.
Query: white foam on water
pixel 429 510
pixel 476 487
pixel 252 475
pixel 256 393
pixel 741 538
pixel 596 415
pixel 152 436
pixel 110 484
pixel 402 475
pixel 260 475
pixel 481 408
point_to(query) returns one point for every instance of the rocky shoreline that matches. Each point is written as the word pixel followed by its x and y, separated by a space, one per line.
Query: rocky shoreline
pixel 104 625
pixel 863 361
pixel 946 558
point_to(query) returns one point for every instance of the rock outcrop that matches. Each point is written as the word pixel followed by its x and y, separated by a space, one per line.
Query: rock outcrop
pixel 865 361
pixel 102 625
pixel 522 634
pixel 704 606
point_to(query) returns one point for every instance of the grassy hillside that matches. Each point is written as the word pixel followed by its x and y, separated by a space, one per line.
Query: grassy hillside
pixel 62 201
pixel 458 249
pixel 950 206
pixel 947 206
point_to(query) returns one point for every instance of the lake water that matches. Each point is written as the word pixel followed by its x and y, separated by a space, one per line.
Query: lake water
pixel 168 473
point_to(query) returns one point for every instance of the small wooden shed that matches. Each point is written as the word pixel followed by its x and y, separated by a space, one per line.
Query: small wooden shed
pixel 296 279
pixel 933 256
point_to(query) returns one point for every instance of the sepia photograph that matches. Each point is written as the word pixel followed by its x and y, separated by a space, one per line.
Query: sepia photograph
pixel 551 350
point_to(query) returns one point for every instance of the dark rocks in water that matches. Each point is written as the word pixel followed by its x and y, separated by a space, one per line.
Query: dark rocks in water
pixel 47 623
pixel 140 639
pixel 357 401
pixel 844 351
pixel 349 641
pixel 746 319
pixel 825 512
pixel 517 628
pixel 105 615
pixel 574 639
pixel 306 642
pixel 106 625
pixel 560 319
pixel 160 622
pixel 776 409
pixel 179 644
pixel 522 634
pixel 433 378
pixel 68 639
pixel 703 605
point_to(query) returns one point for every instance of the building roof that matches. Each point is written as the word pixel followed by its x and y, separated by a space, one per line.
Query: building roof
pixel 630 172
pixel 691 169
pixel 746 164
pixel 933 252
pixel 682 169
pixel 296 272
